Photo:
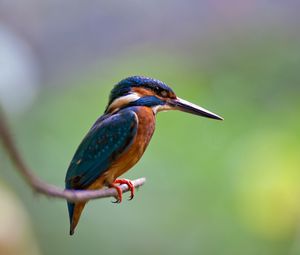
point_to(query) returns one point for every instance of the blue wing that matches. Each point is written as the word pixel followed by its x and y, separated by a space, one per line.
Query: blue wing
pixel 103 144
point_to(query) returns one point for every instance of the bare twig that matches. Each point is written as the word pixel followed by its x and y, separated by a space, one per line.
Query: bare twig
pixel 47 189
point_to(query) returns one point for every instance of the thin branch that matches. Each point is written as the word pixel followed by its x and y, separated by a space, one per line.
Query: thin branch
pixel 47 189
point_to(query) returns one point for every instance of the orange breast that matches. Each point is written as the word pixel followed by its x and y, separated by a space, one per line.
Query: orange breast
pixel 145 131
pixel 146 126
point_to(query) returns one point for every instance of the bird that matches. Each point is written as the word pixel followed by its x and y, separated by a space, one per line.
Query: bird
pixel 119 137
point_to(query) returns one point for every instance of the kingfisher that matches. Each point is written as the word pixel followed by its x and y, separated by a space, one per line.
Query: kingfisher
pixel 119 137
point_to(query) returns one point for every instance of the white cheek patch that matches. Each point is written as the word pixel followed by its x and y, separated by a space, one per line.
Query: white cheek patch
pixel 122 101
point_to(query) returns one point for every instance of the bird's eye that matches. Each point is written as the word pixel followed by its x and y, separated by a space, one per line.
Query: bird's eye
pixel 164 93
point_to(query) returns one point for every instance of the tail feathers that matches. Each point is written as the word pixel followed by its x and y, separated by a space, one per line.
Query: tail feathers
pixel 75 210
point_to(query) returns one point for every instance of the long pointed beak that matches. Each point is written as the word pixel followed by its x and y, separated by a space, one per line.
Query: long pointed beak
pixel 185 106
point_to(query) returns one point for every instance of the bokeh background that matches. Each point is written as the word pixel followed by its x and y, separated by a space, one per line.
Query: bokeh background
pixel 212 187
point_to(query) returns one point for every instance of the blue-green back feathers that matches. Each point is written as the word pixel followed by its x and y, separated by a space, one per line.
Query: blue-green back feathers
pixel 103 144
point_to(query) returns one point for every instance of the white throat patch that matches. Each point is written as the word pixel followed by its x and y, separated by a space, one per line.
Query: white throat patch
pixel 161 108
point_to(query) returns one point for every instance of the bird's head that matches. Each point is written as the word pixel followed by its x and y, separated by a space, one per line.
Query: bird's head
pixel 143 91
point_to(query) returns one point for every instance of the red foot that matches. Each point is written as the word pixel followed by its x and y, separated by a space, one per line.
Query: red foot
pixel 119 190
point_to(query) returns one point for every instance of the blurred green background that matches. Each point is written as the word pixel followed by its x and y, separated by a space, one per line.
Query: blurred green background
pixel 212 187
